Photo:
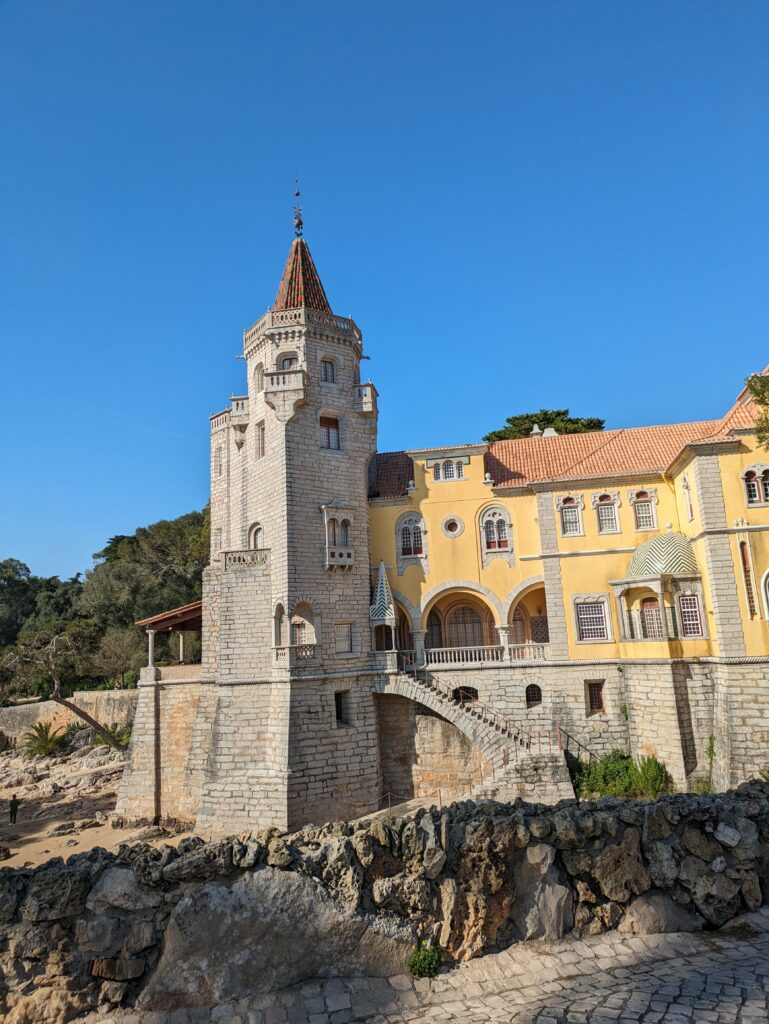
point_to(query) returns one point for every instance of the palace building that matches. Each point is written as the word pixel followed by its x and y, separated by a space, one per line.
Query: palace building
pixel 449 622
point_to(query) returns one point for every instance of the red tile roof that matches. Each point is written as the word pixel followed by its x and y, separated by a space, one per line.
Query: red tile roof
pixel 300 284
pixel 604 453
pixel 391 475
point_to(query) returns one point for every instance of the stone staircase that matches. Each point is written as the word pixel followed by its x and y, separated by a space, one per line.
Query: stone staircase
pixel 526 764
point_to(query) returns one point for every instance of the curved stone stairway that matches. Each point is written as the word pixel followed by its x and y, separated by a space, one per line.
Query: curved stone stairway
pixel 525 764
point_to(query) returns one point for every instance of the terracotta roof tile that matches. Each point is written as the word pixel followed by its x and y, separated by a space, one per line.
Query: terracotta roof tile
pixel 300 284
pixel 633 450
pixel 391 475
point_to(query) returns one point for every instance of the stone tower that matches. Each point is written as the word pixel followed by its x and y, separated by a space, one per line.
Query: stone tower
pixel 286 731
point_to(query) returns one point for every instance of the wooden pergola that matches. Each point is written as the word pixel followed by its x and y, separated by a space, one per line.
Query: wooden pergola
pixel 187 618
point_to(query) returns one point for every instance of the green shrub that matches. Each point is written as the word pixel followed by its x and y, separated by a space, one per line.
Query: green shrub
pixel 41 739
pixel 702 786
pixel 72 729
pixel 616 774
pixel 425 961
pixel 120 733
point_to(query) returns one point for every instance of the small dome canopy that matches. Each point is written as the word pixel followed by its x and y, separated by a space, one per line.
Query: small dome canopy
pixel 668 554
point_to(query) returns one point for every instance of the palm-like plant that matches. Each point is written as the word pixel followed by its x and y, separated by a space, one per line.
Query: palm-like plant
pixel 41 739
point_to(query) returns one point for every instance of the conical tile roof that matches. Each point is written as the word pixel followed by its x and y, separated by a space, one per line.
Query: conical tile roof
pixel 300 284
pixel 382 608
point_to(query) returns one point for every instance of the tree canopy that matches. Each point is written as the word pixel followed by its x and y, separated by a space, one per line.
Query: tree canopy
pixel 60 635
pixel 523 423
pixel 758 386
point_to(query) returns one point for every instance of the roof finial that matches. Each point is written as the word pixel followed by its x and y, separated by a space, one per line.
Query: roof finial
pixel 298 224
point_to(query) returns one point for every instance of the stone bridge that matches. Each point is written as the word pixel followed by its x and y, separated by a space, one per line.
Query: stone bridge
pixel 529 765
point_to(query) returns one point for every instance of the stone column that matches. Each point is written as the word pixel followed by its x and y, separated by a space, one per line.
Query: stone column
pixel 151 648
pixel 556 613
pixel 418 637
pixel 505 633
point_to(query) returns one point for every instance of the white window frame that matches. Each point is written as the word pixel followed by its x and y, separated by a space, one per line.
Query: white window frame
pixel 759 484
pixel 613 503
pixel 635 498
pixel 569 502
pixel 696 598
pixel 437 472
pixel 412 522
pixel 584 600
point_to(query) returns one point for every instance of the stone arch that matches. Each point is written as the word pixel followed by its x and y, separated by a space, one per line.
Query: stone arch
pixel 411 610
pixel 458 586
pixel 518 592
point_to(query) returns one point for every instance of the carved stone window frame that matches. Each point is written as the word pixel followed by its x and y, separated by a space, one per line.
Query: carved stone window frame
pixel 616 501
pixel 633 500
pixel 402 561
pixel 571 501
pixel 596 598
pixel 758 468
pixel 338 556
pixel 490 513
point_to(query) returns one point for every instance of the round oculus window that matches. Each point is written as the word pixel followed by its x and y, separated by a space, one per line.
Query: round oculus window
pixel 452 526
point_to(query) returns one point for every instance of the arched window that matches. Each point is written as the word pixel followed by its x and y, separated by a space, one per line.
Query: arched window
pixel 448 470
pixel 606 510
pixel 533 695
pixel 501 533
pixel 652 618
pixel 327 371
pixel 495 530
pixel 298 633
pixel 259 378
pixel 752 492
pixel 490 534
pixel 344 533
pixel 464 694
pixel 436 471
pixel 434 634
pixel 256 537
pixel 302 631
pixel 460 471
pixel 765 484
pixel 332 533
pixel 406 543
pixel 289 363
pixel 465 627
pixel 416 534
pixel 519 627
pixel 279 625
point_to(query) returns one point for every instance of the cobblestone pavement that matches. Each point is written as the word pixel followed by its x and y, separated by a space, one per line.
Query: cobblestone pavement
pixel 706 978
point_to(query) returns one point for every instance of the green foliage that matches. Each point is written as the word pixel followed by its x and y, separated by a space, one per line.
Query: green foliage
pixel 72 729
pixel 702 786
pixel 623 711
pixel 758 386
pixel 41 739
pixel 425 961
pixel 522 424
pixel 120 733
pixel 616 774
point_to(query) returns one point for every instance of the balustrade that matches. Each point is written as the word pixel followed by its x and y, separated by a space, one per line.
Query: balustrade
pixel 247 558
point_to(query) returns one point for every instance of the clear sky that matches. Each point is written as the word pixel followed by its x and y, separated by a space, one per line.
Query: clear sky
pixel 522 204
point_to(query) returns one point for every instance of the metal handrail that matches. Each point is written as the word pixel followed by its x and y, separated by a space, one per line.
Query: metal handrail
pixel 561 734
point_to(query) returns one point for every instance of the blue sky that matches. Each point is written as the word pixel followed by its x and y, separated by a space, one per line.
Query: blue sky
pixel 522 204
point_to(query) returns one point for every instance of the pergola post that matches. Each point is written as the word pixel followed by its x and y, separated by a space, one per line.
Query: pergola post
pixel 151 648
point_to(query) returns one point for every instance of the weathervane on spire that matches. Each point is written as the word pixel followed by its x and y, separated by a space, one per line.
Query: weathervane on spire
pixel 298 223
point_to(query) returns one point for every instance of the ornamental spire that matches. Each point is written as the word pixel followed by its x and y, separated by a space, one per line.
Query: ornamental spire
pixel 298 222
pixel 300 284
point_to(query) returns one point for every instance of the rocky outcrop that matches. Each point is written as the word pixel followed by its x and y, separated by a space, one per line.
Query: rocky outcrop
pixel 205 923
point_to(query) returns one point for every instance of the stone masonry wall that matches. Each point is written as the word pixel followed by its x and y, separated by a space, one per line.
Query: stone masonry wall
pixel 423 755
pixel 106 706
pixel 204 924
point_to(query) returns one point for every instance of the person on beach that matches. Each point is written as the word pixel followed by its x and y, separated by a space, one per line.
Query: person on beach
pixel 13 807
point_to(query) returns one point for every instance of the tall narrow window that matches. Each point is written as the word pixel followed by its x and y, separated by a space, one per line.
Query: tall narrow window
pixel 460 471
pixel 747 575
pixel 501 533
pixel 218 539
pixel 298 633
pixel 652 618
pixel 261 440
pixel 691 617
pixel 327 371
pixel 259 379
pixel 436 471
pixel 256 537
pixel 594 696
pixel 688 498
pixel 218 462
pixel 765 485
pixel 448 470
pixel 644 512
pixel 570 523
pixel 752 492
pixel 406 546
pixel 416 534
pixel 607 514
pixel 344 533
pixel 289 363
pixel 332 533
pixel 591 621
pixel 329 432
pixel 490 535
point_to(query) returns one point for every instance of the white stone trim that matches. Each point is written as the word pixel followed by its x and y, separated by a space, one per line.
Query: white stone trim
pixel 597 598
pixel 490 512
pixel 519 590
pixel 450 585
pixel 616 501
pixel 633 499
pixel 411 518
pixel 459 530
pixel 575 501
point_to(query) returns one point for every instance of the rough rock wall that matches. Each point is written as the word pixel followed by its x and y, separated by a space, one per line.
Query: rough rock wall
pixel 134 927
pixel 105 706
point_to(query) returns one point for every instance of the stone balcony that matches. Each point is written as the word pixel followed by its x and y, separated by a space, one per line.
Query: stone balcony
pixel 250 558
pixel 482 657
pixel 364 399
pixel 296 656
pixel 285 391
pixel 300 317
